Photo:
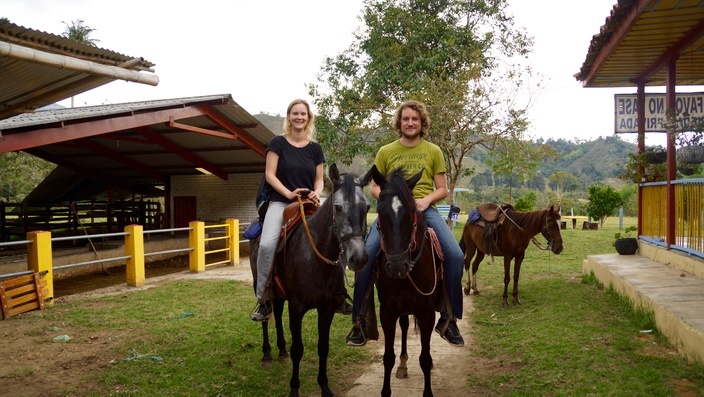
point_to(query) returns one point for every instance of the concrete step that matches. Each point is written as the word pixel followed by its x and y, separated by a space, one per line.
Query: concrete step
pixel 675 296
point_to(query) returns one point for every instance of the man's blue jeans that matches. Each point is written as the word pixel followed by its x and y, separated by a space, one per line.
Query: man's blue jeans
pixel 454 263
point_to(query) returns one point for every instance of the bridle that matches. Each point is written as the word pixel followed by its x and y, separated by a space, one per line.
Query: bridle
pixel 341 260
pixel 405 256
pixel 545 232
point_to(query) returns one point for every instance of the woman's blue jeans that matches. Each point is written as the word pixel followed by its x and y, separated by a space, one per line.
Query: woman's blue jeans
pixel 453 265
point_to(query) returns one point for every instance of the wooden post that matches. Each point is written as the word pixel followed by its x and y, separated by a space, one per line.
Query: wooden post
pixel 39 259
pixel 134 248
pixel 196 240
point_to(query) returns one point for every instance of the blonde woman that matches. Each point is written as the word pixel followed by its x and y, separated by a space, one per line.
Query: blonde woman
pixel 294 167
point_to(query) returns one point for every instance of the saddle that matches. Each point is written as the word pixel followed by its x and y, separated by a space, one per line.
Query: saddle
pixel 490 216
pixel 292 218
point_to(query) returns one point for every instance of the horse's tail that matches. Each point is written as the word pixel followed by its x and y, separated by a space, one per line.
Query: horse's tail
pixel 463 246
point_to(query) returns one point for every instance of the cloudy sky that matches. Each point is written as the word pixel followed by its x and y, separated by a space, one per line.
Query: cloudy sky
pixel 264 52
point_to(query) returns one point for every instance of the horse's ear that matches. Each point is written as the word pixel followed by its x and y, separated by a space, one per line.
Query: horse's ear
pixel 377 177
pixel 366 178
pixel 334 173
pixel 414 179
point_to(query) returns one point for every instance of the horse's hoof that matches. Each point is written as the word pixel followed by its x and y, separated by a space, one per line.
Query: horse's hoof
pixel 475 292
pixel 283 356
pixel 267 363
pixel 402 373
pixel 466 291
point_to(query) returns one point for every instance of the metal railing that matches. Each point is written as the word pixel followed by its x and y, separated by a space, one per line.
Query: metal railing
pixel 40 255
pixel 689 215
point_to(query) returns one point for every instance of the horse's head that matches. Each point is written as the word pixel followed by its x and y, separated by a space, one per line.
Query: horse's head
pixel 551 231
pixel 398 221
pixel 350 207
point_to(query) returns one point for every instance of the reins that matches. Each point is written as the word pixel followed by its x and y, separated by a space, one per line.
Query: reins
pixel 411 247
pixel 533 239
pixel 340 239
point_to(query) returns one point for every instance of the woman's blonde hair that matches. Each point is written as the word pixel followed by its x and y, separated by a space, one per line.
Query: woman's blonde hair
pixel 310 126
pixel 422 112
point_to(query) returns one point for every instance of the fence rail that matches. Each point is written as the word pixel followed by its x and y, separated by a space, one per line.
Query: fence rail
pixel 40 255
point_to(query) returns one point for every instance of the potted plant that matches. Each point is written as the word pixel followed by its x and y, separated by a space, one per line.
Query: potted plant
pixel 639 169
pixel 655 155
pixel 624 243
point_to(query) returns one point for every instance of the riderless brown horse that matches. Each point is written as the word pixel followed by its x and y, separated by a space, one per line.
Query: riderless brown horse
pixel 507 233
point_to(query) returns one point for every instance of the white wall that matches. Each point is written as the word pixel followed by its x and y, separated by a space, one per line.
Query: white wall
pixel 217 200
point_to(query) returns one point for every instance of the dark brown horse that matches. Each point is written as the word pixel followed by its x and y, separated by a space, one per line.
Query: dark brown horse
pixel 408 281
pixel 511 241
pixel 311 270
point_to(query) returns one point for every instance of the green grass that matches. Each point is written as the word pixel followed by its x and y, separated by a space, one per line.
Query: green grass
pixel 570 337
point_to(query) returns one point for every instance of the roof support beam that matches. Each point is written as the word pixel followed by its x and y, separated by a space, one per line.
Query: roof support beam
pixel 234 129
pixel 183 153
pixel 673 53
pixel 126 161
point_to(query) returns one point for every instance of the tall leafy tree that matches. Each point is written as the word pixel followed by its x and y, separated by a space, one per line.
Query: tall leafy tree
pixel 442 52
pixel 519 159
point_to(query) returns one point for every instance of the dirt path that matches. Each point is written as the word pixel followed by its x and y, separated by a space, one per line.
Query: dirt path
pixel 26 371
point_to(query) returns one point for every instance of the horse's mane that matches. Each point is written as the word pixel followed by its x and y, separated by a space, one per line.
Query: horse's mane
pixel 346 185
pixel 397 183
pixel 529 220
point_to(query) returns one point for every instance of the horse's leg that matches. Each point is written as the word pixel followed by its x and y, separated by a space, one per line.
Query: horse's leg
pixel 266 346
pixel 325 316
pixel 516 275
pixel 470 251
pixel 402 370
pixel 507 277
pixel 475 266
pixel 295 320
pixel 388 325
pixel 426 322
pixel 278 317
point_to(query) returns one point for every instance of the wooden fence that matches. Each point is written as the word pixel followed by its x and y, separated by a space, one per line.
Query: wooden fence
pixel 18 219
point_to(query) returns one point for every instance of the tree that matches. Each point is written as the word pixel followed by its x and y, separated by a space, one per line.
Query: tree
pixel 562 181
pixel 518 159
pixel 442 52
pixel 19 174
pixel 79 32
pixel 603 200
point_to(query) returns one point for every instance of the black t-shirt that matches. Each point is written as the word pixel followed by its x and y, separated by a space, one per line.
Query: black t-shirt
pixel 296 166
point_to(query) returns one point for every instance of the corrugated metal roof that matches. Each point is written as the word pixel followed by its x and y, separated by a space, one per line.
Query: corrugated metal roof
pixel 132 145
pixel 640 37
pixel 28 84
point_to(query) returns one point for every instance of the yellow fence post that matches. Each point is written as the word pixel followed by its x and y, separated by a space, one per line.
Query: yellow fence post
pixel 233 242
pixel 196 241
pixel 39 259
pixel 134 248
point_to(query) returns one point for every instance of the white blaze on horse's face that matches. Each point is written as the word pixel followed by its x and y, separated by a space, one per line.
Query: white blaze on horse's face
pixel 396 205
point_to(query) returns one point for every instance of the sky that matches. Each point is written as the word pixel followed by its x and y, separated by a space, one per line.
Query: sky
pixel 265 52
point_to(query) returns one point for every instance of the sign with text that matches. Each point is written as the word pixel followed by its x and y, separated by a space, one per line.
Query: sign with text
pixel 689 107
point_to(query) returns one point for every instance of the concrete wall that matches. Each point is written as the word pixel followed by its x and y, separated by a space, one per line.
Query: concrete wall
pixel 217 200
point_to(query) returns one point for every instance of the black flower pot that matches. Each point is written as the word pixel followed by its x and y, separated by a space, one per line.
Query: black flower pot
pixel 626 246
